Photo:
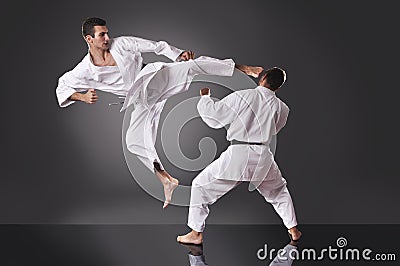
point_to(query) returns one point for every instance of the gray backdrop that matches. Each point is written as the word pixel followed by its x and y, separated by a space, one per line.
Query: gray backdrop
pixel 339 150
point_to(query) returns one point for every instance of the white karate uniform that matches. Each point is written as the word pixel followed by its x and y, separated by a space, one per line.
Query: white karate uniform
pixel 127 53
pixel 155 84
pixel 254 115
pixel 146 88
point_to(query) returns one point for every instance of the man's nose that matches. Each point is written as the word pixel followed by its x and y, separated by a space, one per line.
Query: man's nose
pixel 106 36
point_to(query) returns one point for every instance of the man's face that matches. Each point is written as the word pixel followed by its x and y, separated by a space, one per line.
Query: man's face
pixel 101 40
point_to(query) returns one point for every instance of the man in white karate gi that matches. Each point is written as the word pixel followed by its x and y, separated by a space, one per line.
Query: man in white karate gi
pixel 255 116
pixel 115 66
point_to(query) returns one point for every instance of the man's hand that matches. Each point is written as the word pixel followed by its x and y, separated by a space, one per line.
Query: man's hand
pixel 205 91
pixel 185 56
pixel 90 97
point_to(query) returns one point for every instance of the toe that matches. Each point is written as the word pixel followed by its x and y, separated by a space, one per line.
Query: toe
pixel 165 205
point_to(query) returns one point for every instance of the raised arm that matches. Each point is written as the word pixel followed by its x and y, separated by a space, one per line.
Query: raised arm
pixel 219 113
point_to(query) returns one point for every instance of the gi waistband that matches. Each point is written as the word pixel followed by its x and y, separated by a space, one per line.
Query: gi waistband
pixel 237 142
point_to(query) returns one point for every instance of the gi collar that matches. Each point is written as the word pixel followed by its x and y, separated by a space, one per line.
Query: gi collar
pixel 265 90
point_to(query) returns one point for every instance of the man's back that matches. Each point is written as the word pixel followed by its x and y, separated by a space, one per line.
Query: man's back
pixel 254 115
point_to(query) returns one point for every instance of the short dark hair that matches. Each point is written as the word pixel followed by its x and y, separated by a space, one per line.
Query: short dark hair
pixel 275 77
pixel 88 25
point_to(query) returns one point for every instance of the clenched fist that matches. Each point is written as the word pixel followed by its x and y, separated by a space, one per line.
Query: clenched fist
pixel 205 91
pixel 90 96
pixel 185 56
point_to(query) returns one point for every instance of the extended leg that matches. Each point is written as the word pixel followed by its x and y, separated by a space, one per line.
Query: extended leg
pixel 175 78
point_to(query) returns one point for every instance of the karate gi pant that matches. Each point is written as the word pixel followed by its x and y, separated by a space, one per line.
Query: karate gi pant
pixel 208 186
pixel 168 79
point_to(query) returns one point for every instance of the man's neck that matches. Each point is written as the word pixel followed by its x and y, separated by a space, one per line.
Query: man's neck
pixel 266 87
pixel 101 57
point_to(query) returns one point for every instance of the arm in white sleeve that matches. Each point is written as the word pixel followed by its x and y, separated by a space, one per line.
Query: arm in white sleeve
pixel 159 48
pixel 71 82
pixel 64 91
pixel 282 116
pixel 217 114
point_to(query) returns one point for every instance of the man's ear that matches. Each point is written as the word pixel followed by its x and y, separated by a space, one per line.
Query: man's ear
pixel 88 38
pixel 262 79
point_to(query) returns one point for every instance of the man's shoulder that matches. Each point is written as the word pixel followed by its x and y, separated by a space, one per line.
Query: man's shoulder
pixel 285 106
pixel 240 97
pixel 81 69
pixel 120 38
pixel 246 93
pixel 124 43
pixel 125 39
pixel 83 64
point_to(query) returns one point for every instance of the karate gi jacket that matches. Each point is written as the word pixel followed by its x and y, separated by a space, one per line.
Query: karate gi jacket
pixel 254 115
pixel 127 52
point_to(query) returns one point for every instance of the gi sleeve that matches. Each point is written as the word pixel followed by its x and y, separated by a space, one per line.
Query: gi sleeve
pixel 219 113
pixel 63 91
pixel 69 83
pixel 281 116
pixel 146 46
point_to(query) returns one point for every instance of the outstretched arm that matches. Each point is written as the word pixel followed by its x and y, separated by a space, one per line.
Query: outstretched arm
pixel 160 48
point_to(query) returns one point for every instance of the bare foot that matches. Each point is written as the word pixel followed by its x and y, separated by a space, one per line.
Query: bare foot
pixel 250 70
pixel 169 188
pixel 173 180
pixel 169 183
pixel 254 71
pixel 164 173
pixel 294 234
pixel 191 238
